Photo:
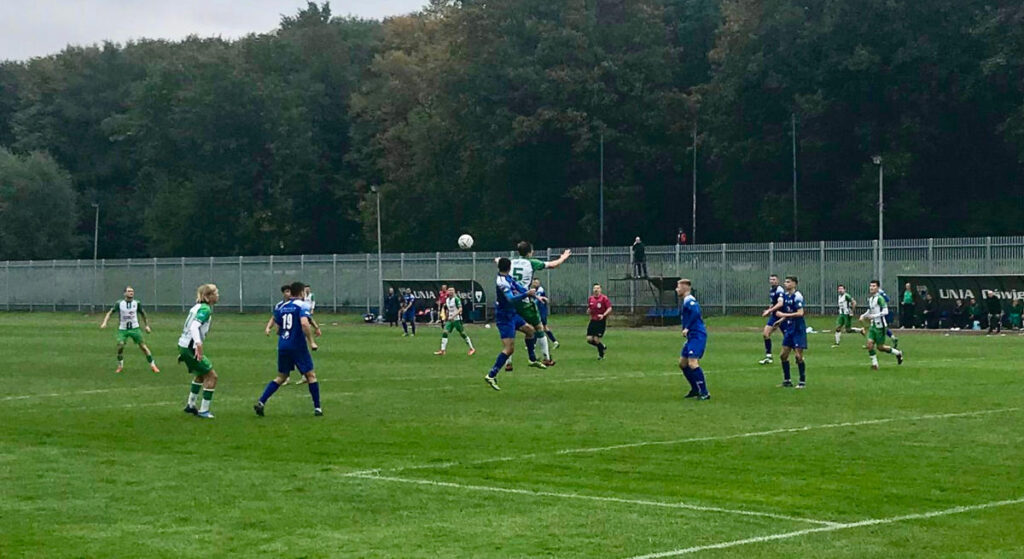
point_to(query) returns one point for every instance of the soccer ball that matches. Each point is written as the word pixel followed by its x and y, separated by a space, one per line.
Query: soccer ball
pixel 465 242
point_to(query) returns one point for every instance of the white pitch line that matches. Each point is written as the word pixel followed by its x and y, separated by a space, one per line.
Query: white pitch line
pixel 833 528
pixel 444 465
pixel 686 506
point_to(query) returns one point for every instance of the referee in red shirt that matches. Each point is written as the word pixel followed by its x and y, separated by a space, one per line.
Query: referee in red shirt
pixel 599 308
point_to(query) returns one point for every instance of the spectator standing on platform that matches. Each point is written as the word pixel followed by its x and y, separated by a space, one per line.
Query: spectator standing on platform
pixel 907 308
pixel 930 317
pixel 994 307
pixel 391 307
pixel 639 259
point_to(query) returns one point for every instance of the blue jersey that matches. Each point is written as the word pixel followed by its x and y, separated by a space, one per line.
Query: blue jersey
pixel 541 305
pixel 775 293
pixel 507 292
pixel 690 317
pixel 792 302
pixel 289 325
pixel 409 300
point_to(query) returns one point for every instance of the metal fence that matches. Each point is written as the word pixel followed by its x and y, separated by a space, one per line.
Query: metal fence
pixel 727 278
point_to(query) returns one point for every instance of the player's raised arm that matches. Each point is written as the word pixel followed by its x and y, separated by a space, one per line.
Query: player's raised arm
pixel 558 261
pixel 107 317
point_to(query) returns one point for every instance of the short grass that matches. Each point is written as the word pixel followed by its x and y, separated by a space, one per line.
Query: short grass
pixel 417 457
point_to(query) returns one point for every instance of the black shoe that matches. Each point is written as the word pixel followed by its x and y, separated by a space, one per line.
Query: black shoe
pixel 258 408
pixel 191 409
pixel 692 394
pixel 317 412
pixel 899 359
pixel 786 384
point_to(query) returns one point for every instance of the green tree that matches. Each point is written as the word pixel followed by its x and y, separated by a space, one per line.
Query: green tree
pixel 37 208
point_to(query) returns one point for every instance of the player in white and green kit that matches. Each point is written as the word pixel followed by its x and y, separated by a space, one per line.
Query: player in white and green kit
pixel 453 322
pixel 522 270
pixel 877 312
pixel 129 310
pixel 844 323
pixel 190 350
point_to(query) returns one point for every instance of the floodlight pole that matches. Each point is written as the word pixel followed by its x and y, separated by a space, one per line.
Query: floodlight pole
pixel 601 197
pixel 877 160
pixel 96 232
pixel 380 259
pixel 793 131
pixel 693 220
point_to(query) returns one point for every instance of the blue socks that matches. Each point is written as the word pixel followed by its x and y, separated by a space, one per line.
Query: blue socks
pixel 550 336
pixel 802 368
pixel 768 346
pixel 314 391
pixel 405 327
pixel 269 391
pixel 531 348
pixel 785 370
pixel 498 364
pixel 698 381
pixel 688 373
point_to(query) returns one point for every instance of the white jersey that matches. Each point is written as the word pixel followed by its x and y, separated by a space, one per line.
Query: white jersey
pixel 453 306
pixel 845 304
pixel 201 314
pixel 878 310
pixel 523 269
pixel 129 314
pixel 310 301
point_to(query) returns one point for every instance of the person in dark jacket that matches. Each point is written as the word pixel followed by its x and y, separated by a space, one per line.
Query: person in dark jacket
pixel 959 315
pixel 639 259
pixel 930 314
pixel 994 308
pixel 391 307
pixel 974 313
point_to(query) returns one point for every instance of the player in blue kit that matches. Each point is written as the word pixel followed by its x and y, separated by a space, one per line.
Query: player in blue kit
pixel 508 292
pixel 294 331
pixel 775 292
pixel 696 340
pixel 408 312
pixel 542 306
pixel 794 331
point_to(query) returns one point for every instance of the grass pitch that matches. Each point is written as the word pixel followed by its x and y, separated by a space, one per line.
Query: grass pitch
pixel 417 457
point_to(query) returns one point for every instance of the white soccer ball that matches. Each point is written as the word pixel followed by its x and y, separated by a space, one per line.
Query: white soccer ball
pixel 465 242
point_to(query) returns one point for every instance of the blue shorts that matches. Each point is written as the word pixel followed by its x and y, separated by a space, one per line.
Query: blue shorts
pixel 409 316
pixel 795 338
pixel 772 319
pixel 288 359
pixel 543 315
pixel 508 324
pixel 694 347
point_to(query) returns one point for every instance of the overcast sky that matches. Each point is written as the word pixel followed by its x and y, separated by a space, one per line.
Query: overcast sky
pixel 39 27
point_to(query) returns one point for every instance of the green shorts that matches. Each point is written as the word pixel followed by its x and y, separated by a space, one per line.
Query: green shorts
pixel 529 313
pixel 195 367
pixel 876 335
pixel 844 321
pixel 133 333
pixel 452 325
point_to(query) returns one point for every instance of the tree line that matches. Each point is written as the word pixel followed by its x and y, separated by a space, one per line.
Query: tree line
pixel 491 117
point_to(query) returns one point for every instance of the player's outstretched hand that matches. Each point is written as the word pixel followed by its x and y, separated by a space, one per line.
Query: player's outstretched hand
pixel 531 292
pixel 313 346
pixel 318 333
pixel 102 326
pixel 765 312
pixel 149 330
pixel 685 331
pixel 566 253
pixel 266 331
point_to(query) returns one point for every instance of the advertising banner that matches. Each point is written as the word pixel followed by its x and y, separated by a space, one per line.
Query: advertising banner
pixel 945 290
pixel 426 292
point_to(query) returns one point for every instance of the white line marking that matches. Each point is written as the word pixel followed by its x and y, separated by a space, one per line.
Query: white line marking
pixel 444 465
pixel 530 493
pixel 833 528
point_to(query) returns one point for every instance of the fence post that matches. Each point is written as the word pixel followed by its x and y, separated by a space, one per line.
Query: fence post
pixel 367 282
pixel 874 256
pixel 334 275
pixel 54 266
pixel 771 257
pixel 302 265
pixel 677 260
pixel 240 292
pixel 723 280
pixel 821 273
pixel 988 255
pixel 181 296
pixel 211 270
pixel 931 260
pixel 437 265
pixel 30 300
pixel 103 278
pixel 401 265
pixel 78 285
pixel 272 282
